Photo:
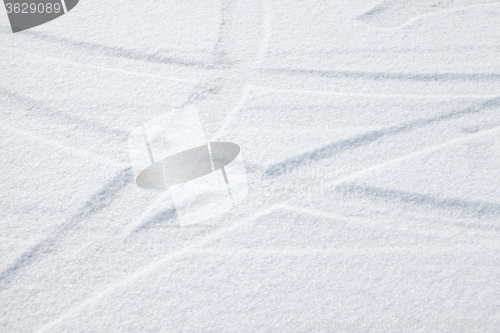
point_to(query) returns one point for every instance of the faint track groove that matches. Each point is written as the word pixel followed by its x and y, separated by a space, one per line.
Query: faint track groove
pixel 341 93
pixel 31 104
pixel 418 17
pixel 330 150
pixel 119 52
pixel 252 71
pixel 150 267
pixel 348 252
pixel 466 206
pixel 79 64
pixel 55 144
pixel 362 221
pixel 146 215
pixel 384 75
pixel 191 248
pixel 419 152
pixel 96 202
pixel 194 247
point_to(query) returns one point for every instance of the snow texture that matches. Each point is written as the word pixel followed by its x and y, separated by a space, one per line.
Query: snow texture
pixel 371 136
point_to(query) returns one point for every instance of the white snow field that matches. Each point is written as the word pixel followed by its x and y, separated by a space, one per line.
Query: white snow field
pixel 371 136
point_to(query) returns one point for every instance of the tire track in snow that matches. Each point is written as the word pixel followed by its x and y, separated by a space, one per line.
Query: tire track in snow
pixel 35 107
pixel 382 224
pixel 98 201
pixel 342 93
pixel 149 213
pixel 151 267
pixel 346 252
pixel 266 28
pixel 115 52
pixel 198 95
pixel 465 138
pixel 199 247
pixel 487 77
pixel 229 84
pixel 382 9
pixel 56 144
pixel 371 169
pixel 79 64
pixel 223 68
pixel 471 208
pixel 330 150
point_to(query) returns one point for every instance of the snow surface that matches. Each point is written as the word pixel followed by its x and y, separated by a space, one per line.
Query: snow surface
pixel 371 137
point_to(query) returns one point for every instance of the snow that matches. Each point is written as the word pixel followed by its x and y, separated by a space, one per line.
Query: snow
pixel 370 132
